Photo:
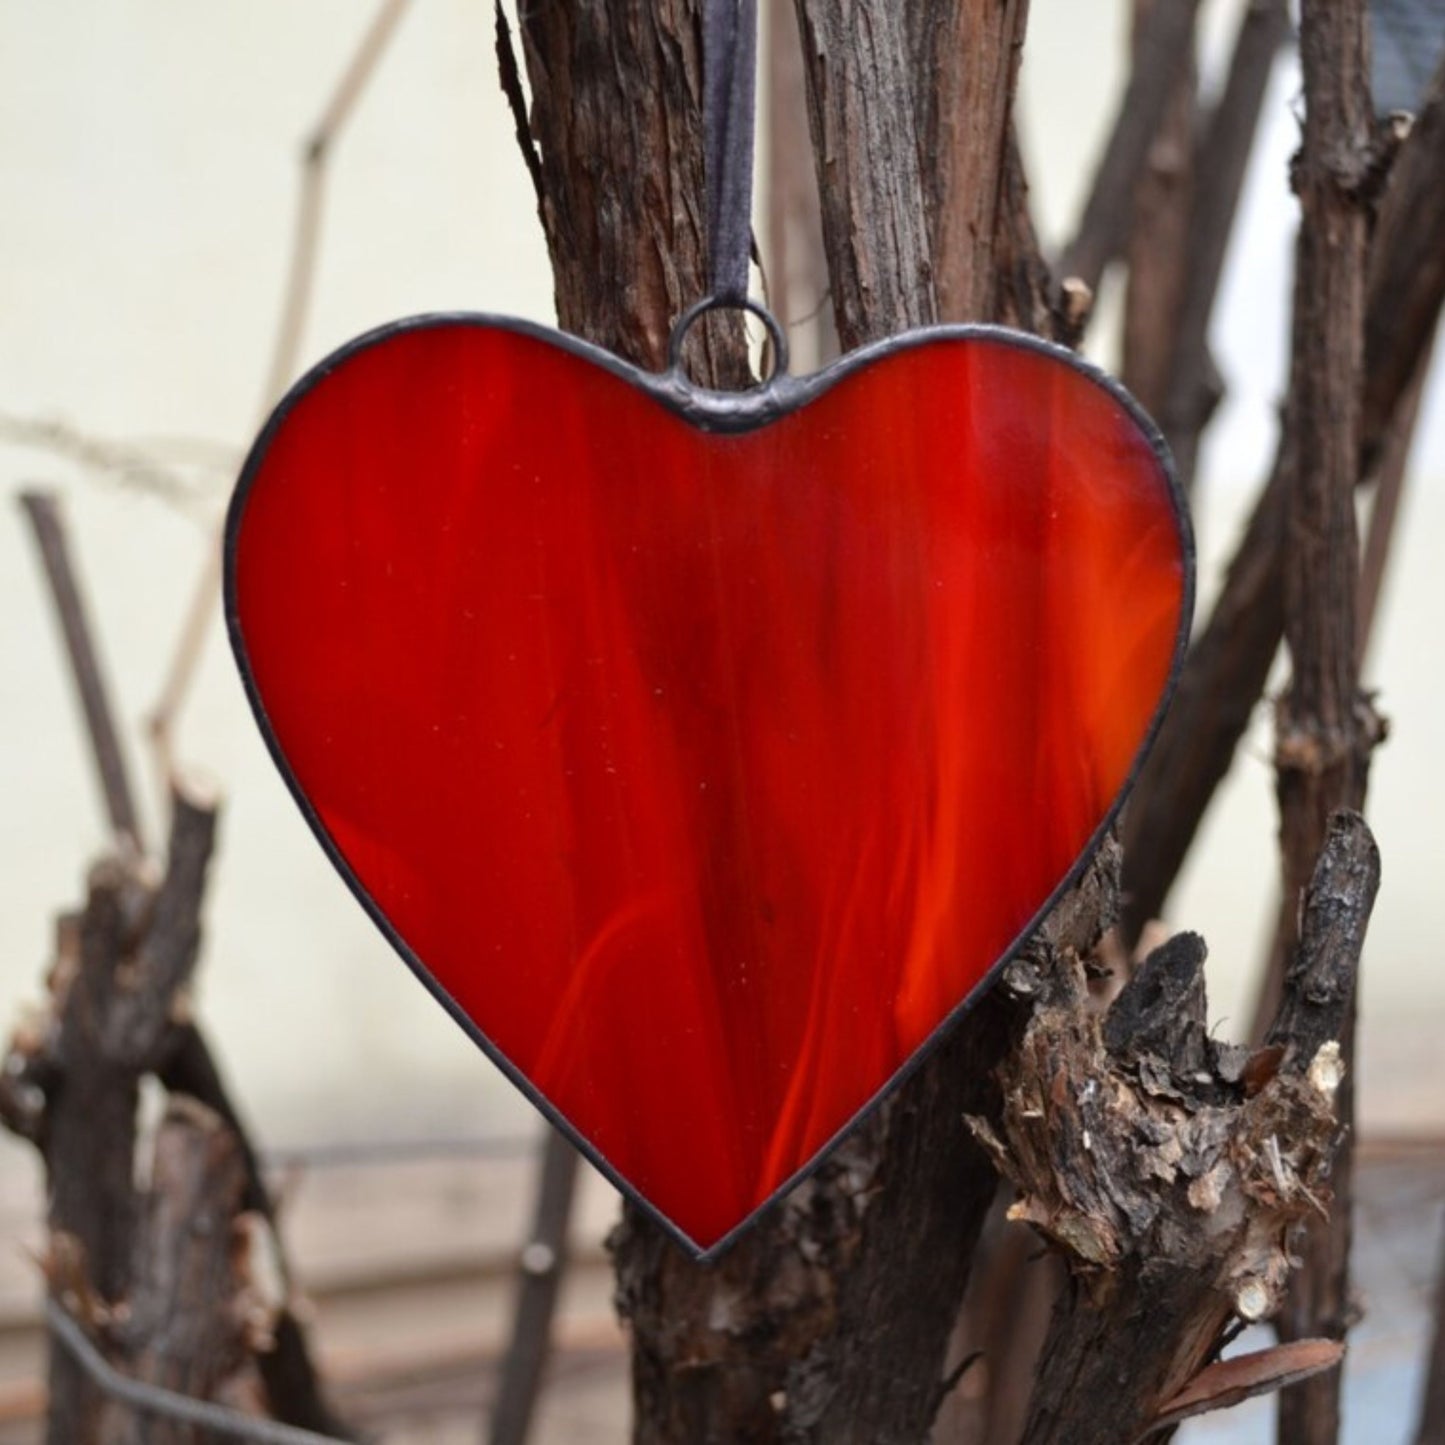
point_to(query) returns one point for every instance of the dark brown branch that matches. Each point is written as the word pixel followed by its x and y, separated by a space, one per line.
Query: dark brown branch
pixel 294 1392
pixel 1229 663
pixel 511 81
pixel 1023 286
pixel 616 118
pixel 43 514
pixel 70 1085
pixel 1393 468
pixel 1157 246
pixel 1166 1167
pixel 183 1330
pixel 166 954
pixel 861 115
pixel 1324 728
pixel 965 60
pixel 1224 146
pixel 538 1285
pixel 1407 269
pixel 1319 987
pixel 1431 1430
pixel 1160 55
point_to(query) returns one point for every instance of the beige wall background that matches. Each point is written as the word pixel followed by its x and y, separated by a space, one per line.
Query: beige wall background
pixel 148 170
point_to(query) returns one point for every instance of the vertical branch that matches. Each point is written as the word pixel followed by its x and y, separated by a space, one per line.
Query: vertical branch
pixel 1161 53
pixel 183 1328
pixel 616 116
pixel 861 115
pixel 1157 247
pixel 1228 664
pixel 1324 739
pixel 1225 144
pixel 1389 491
pixel 85 670
pixel 965 64
pixel 1431 1429
pixel 540 1281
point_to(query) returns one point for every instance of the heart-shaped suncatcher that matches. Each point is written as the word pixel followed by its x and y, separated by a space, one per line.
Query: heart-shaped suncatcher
pixel 704 754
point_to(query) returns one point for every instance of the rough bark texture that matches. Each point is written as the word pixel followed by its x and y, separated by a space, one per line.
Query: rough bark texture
pixel 1224 144
pixel 1228 665
pixel 1162 52
pixel 781 1339
pixel 73 1089
pixel 1324 727
pixel 865 139
pixel 1157 245
pixel 830 1320
pixel 1168 1168
pixel 70 1084
pixel 182 1331
pixel 616 97
pixel 964 65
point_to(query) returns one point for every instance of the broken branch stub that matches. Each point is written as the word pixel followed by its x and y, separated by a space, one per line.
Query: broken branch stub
pixel 1170 1169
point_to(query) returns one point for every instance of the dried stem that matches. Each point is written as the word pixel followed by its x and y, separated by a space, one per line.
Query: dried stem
pixel 1389 491
pixel 1167 1168
pixel 1225 142
pixel 1324 726
pixel 539 1283
pixel 1228 665
pixel 1161 53
pixel 43 514
pixel 200 611
pixel 1157 246
pixel 1431 1429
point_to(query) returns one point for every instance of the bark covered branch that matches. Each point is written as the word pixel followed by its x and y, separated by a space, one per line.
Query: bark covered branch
pixel 1169 1169
pixel 1229 661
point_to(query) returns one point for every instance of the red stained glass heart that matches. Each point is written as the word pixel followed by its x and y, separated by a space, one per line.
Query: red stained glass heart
pixel 704 755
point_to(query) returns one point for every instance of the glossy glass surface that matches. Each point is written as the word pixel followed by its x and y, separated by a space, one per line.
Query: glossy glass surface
pixel 706 773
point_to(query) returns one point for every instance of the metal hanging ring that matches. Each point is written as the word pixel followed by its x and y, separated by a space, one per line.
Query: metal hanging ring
pixel 696 312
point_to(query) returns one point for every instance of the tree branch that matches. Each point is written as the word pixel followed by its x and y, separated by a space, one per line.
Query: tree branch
pixel 1225 143
pixel 964 64
pixel 43 514
pixel 1161 53
pixel 1228 664
pixel 1166 1167
pixel 1325 730
pixel 1157 243
pixel 858 63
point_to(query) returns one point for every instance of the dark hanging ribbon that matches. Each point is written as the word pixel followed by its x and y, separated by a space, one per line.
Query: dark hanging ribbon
pixel 729 57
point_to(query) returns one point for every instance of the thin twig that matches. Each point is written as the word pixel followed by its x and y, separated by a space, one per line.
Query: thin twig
pixel 1157 243
pixel 1226 143
pixel 1161 52
pixel 45 520
pixel 1228 665
pixel 133 466
pixel 1324 727
pixel 1385 510
pixel 511 79
pixel 152 1400
pixel 196 622
pixel 1388 492
pixel 542 1265
pixel 1431 1430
